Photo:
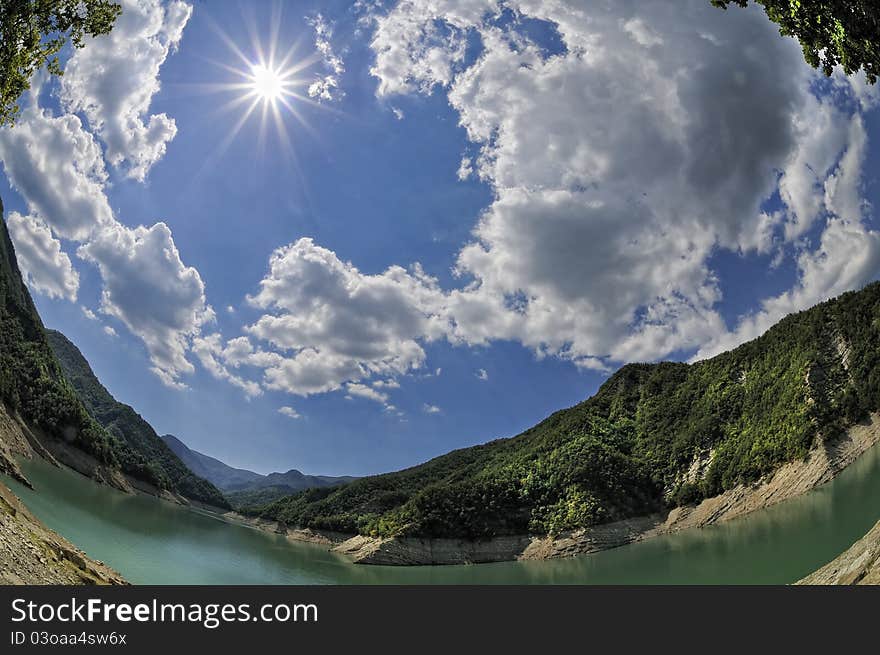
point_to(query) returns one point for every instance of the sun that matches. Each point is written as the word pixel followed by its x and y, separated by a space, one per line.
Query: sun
pixel 267 83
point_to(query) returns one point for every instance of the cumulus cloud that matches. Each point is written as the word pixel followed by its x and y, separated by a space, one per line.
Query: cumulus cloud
pixel 353 389
pixel 44 265
pixel 155 295
pixel 847 256
pixel 289 412
pixel 482 374
pixel 431 409
pixel 58 168
pixel 113 79
pixel 596 247
pixel 215 359
pixel 109 331
pixel 332 324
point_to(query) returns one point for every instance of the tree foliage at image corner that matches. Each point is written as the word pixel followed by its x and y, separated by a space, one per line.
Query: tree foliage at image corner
pixel 33 32
pixel 832 33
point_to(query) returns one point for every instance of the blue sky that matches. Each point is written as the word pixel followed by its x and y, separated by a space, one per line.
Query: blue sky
pixel 621 213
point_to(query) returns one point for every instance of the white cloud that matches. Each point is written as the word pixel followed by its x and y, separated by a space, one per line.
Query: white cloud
pixel 465 169
pixel 482 374
pixel 431 409
pixel 290 412
pixel 386 384
pixel 113 79
pixel 597 244
pixel 109 331
pixel 363 391
pixel 414 48
pixel 398 113
pixel 214 359
pixel 848 254
pixel 45 267
pixel 334 324
pixel 89 314
pixel 59 170
pixel 326 87
pixel 149 289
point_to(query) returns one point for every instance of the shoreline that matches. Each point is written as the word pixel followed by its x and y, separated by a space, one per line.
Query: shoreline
pixel 822 464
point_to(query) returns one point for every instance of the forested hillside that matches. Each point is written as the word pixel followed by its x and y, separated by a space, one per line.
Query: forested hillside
pixel 653 436
pixel 33 386
pixel 31 381
pixel 128 427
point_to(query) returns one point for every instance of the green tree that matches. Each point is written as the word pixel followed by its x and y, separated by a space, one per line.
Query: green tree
pixel 33 32
pixel 831 32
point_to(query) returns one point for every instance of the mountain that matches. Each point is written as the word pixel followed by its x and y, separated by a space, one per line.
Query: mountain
pixel 246 488
pixel 164 467
pixel 654 437
pixel 220 474
pixel 40 409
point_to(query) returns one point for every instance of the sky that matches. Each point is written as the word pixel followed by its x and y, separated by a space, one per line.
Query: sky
pixel 349 237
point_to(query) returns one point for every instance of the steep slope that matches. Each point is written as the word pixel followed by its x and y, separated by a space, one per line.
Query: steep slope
pixel 245 488
pixel 122 422
pixel 654 437
pixel 30 553
pixel 42 409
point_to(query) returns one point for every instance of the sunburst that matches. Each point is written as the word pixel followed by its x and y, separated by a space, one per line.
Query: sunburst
pixel 265 84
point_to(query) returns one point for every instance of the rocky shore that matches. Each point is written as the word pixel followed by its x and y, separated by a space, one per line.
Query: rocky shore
pixel 31 553
pixel 823 462
pixel 859 564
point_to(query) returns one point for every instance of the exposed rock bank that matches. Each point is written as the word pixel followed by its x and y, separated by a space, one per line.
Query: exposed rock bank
pixel 824 461
pixel 31 553
pixel 860 564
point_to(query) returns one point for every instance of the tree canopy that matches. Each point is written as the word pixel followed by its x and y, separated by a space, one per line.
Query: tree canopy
pixel 831 32
pixel 33 32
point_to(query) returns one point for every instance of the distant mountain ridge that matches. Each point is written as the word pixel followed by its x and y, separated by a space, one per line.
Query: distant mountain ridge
pixel 244 487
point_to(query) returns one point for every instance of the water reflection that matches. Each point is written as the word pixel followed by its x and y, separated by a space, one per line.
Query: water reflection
pixel 150 541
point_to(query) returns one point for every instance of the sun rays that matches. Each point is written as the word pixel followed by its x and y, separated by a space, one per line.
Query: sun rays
pixel 266 85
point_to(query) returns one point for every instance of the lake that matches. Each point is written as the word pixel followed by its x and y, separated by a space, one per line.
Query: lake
pixel 150 541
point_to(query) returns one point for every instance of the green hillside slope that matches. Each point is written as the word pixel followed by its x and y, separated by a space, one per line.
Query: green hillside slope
pixel 127 426
pixel 34 388
pixel 32 384
pixel 653 436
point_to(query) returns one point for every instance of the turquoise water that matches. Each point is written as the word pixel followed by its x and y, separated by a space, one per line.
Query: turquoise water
pixel 154 542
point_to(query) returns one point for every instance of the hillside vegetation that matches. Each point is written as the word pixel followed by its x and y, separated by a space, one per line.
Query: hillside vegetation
pixel 33 386
pixel 654 436
pixel 166 469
